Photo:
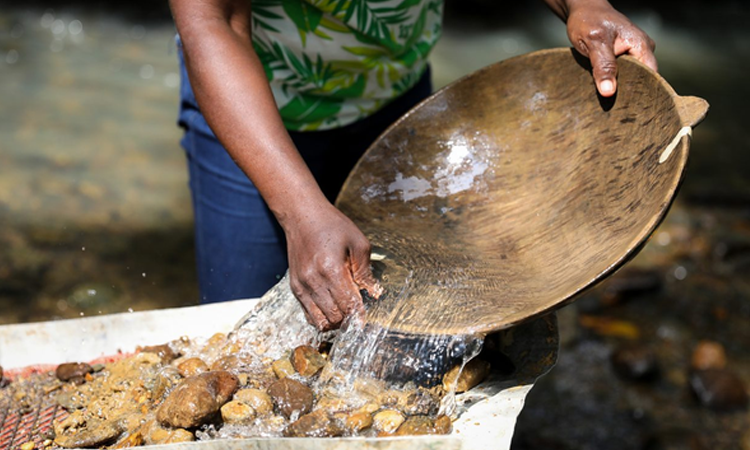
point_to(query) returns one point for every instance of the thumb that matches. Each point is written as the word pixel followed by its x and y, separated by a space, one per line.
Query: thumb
pixel 604 64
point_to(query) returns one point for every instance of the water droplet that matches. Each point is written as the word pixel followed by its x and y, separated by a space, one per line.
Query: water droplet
pixel 58 27
pixel 12 56
pixel 91 292
pixel 130 310
pixel 510 45
pixel 62 305
pixel 147 71
pixel 144 274
pixel 81 313
pixel 663 238
pixel 83 249
pixel 75 27
pixel 47 19
pixel 680 273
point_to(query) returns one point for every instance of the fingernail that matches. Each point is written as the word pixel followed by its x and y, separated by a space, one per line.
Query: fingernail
pixel 607 86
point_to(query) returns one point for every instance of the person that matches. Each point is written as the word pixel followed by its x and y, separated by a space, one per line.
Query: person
pixel 289 94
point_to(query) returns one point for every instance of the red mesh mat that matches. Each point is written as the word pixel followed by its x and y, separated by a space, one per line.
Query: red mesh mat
pixel 34 423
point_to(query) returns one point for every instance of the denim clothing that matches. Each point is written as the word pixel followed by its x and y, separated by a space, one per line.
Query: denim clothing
pixel 240 247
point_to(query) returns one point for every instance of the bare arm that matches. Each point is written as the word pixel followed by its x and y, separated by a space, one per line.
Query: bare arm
pixel 600 32
pixel 328 255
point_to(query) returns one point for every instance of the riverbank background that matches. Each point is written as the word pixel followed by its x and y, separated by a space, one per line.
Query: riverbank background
pixel 95 214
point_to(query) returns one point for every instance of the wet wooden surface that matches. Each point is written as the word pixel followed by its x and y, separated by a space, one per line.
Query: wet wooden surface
pixel 507 193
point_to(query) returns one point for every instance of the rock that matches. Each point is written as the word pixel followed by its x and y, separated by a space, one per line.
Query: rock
pixel 315 424
pixel 192 366
pixel 72 371
pixel 227 363
pixel 719 389
pixel 255 398
pixel 635 362
pixel 237 412
pixel 282 368
pixel 70 400
pixel 27 445
pixel 291 397
pixel 197 399
pixel 134 439
pixel 473 373
pixel 418 403
pixel 358 421
pixel 708 355
pixel 387 421
pixel 443 425
pixel 97 436
pixel 416 426
pixel 307 361
pixel 163 351
pixel 157 435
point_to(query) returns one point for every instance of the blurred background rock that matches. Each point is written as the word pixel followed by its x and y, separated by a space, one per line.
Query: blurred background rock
pixel 95 214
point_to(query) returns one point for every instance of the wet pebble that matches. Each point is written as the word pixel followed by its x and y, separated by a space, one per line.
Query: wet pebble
pixel 443 425
pixel 635 362
pixel 708 355
pixel 419 402
pixel 163 351
pixel 291 397
pixel 358 421
pixel 156 435
pixel 473 373
pixel 416 426
pixel 255 398
pixel 315 424
pixel 282 368
pixel 192 366
pixel 387 421
pixel 719 389
pixel 237 412
pixel 73 371
pixel 197 399
pixel 307 361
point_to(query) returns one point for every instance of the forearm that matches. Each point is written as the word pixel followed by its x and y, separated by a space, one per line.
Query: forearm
pixel 232 91
pixel 563 7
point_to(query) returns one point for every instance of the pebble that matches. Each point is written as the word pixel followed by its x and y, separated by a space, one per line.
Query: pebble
pixel 72 371
pixel 237 412
pixel 719 389
pixel 255 398
pixel 196 399
pixel 282 368
pixel 27 445
pixel 307 361
pixel 227 363
pixel 443 425
pixel 158 435
pixel 191 367
pixel 635 362
pixel 708 355
pixel 387 421
pixel 315 424
pixel 473 373
pixel 163 351
pixel 418 403
pixel 358 421
pixel 291 397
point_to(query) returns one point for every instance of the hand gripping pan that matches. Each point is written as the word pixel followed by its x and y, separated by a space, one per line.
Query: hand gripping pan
pixel 507 193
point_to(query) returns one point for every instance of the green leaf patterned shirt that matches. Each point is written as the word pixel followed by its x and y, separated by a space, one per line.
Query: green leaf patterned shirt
pixel 333 62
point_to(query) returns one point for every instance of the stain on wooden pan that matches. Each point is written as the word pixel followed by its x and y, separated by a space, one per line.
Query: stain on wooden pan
pixel 507 193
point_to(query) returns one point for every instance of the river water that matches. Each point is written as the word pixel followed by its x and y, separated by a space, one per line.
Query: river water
pixel 95 214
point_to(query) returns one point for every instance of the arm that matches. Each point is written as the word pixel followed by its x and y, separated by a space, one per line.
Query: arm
pixel 601 33
pixel 329 258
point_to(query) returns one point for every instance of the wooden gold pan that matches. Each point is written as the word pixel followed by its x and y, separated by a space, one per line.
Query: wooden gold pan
pixel 513 189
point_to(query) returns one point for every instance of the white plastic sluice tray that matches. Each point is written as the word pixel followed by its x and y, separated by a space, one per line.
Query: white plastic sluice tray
pixel 487 413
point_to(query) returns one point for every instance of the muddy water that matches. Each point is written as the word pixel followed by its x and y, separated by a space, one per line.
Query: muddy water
pixel 95 214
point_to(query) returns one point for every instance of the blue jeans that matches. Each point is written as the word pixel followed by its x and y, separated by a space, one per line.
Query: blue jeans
pixel 240 247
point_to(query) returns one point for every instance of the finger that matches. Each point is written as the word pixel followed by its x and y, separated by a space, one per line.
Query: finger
pixel 604 64
pixel 313 314
pixel 643 51
pixel 346 293
pixel 325 303
pixel 359 264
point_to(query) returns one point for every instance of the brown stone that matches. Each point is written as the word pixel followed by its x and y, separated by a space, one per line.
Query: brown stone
pixel 163 351
pixel 719 389
pixel 387 421
pixel 192 366
pixel 255 398
pixel 416 426
pixel 315 424
pixel 237 412
pixel 157 435
pixel 291 397
pixel 418 403
pixel 708 355
pixel 443 425
pixel 473 373
pixel 358 421
pixel 72 371
pixel 227 363
pixel 197 399
pixel 307 361
pixel 282 368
